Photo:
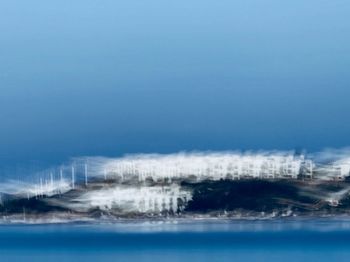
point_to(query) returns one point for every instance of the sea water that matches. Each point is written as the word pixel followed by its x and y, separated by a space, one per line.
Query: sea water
pixel 174 240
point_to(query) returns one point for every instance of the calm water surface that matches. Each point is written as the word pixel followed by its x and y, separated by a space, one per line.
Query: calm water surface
pixel 311 240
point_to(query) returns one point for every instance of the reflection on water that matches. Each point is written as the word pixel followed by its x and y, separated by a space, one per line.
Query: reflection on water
pixel 287 240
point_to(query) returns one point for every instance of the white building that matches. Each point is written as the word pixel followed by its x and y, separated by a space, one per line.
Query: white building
pixel 210 166
pixel 145 199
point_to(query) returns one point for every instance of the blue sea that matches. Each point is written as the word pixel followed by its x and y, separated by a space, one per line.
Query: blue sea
pixel 272 240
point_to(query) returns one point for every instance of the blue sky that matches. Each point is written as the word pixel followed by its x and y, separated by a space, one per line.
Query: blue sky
pixel 115 77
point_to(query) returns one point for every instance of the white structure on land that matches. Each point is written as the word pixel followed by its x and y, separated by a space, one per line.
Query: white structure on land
pixel 337 170
pixel 209 166
pixel 134 199
pixel 172 168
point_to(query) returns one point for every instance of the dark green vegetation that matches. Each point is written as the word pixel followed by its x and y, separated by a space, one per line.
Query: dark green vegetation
pixel 228 198
pixel 303 197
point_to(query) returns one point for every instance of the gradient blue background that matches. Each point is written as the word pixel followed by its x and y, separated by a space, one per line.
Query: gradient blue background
pixel 114 77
